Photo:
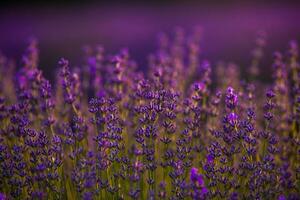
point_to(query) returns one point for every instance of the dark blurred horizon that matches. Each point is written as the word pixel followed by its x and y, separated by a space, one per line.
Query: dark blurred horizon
pixel 64 27
pixel 58 3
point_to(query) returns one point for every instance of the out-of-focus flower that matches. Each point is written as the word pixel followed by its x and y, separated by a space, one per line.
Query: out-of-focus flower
pixel 281 197
pixel 2 196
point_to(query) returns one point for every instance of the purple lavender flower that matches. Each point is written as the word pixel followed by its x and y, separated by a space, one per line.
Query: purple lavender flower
pixel 198 187
pixel 196 177
pixel 231 98
pixel 281 197
pixel 2 196
pixel 233 119
pixel 108 130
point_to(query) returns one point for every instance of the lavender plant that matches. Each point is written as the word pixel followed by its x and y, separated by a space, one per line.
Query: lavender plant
pixel 181 130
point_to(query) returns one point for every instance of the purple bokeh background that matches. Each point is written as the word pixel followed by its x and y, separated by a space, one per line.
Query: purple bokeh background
pixel 228 30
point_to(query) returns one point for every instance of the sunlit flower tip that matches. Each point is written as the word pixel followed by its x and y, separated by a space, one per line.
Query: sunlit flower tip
pixel 231 98
pixel 232 119
pixel 158 72
pixel 196 177
pixel 230 90
pixel 63 62
pixel 199 87
pixel 270 94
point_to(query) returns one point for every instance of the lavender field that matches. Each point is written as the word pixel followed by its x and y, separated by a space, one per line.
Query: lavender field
pixel 171 124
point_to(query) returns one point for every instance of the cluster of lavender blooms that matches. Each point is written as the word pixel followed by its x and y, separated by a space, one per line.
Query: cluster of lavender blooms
pixel 106 130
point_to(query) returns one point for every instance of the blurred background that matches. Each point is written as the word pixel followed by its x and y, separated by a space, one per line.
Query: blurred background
pixel 64 27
